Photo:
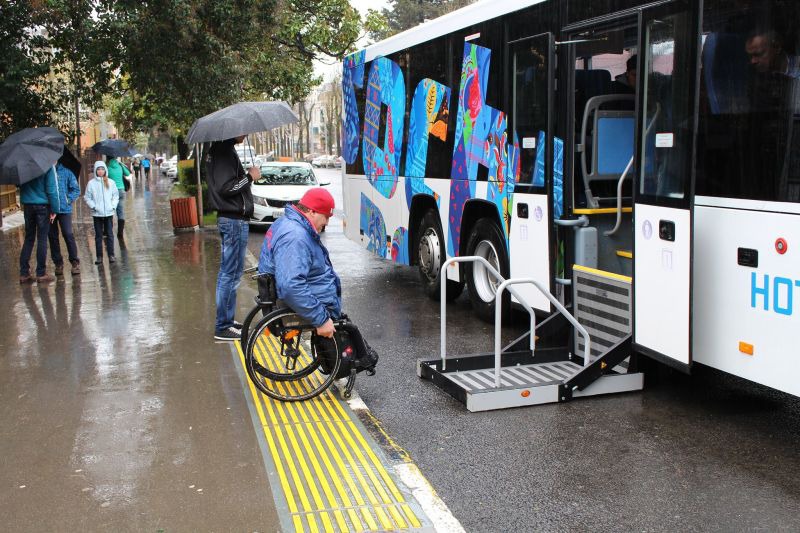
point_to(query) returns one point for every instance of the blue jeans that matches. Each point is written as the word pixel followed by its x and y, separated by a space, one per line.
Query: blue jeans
pixel 37 229
pixel 234 245
pixel 120 208
pixel 64 221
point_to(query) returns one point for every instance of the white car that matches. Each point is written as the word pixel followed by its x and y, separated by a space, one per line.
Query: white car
pixel 172 173
pixel 280 184
pixel 167 163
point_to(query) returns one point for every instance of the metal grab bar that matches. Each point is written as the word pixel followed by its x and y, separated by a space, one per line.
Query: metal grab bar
pixel 613 230
pixel 497 318
pixel 443 299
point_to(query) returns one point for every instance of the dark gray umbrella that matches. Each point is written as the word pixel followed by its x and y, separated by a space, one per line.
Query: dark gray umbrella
pixel 29 153
pixel 240 119
pixel 113 148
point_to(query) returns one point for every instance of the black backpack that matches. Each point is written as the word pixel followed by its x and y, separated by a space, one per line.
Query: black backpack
pixel 356 353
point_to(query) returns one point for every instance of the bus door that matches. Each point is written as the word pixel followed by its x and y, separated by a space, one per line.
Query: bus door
pixel 664 182
pixel 529 85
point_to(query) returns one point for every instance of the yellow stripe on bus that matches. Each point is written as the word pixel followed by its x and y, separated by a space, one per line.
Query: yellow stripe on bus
pixel 602 273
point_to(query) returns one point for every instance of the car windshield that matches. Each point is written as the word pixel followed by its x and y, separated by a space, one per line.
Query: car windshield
pixel 285 175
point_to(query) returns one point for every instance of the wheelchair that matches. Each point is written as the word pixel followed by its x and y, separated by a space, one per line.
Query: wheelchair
pixel 285 358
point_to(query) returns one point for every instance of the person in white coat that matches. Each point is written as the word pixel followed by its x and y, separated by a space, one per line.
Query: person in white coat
pixel 102 198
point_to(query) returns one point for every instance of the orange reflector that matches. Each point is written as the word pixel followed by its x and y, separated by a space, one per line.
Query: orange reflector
pixel 291 334
pixel 746 348
pixel 525 393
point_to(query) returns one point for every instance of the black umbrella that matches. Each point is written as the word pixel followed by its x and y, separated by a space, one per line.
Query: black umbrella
pixel 29 153
pixel 240 119
pixel 71 162
pixel 113 148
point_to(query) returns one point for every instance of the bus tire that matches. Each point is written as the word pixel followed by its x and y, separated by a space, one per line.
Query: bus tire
pixel 487 240
pixel 431 254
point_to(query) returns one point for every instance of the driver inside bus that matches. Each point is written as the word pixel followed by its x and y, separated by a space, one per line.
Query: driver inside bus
pixel 767 54
pixel 293 252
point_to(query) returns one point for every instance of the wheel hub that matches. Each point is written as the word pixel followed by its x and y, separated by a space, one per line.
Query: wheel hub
pixel 485 282
pixel 429 254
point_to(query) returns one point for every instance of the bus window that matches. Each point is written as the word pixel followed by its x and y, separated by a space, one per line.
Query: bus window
pixel 667 135
pixel 749 112
pixel 530 100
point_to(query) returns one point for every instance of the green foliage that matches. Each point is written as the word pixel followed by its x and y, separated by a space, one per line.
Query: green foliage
pixel 405 14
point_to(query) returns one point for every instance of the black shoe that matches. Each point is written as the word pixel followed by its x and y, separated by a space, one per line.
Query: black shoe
pixel 112 259
pixel 238 325
pixel 230 334
pixel 98 261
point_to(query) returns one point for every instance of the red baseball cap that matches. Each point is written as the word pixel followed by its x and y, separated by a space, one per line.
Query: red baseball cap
pixel 319 200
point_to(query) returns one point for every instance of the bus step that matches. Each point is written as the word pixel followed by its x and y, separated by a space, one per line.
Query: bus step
pixel 523 382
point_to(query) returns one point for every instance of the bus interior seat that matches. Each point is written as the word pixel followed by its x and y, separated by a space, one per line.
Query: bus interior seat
pixel 725 71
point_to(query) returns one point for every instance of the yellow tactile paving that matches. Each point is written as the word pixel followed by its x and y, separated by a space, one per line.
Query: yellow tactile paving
pixel 330 476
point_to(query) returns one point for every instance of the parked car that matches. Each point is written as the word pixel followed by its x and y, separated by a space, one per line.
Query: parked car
pixel 167 163
pixel 325 161
pixel 338 161
pixel 280 184
pixel 172 173
pixel 308 158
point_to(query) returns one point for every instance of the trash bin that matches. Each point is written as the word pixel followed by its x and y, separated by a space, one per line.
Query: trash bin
pixel 184 213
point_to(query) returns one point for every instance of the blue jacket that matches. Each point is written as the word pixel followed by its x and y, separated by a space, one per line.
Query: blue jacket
pixel 101 200
pixel 41 191
pixel 294 253
pixel 68 189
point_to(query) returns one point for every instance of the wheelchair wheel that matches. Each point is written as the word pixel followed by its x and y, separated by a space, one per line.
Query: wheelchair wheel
pixel 282 359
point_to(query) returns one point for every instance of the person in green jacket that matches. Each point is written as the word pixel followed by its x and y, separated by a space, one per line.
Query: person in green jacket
pixel 39 198
pixel 116 171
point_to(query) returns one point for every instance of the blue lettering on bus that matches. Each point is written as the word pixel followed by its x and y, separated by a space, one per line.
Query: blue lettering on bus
pixel 781 289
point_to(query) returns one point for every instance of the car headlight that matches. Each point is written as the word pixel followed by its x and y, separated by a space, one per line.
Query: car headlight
pixel 260 201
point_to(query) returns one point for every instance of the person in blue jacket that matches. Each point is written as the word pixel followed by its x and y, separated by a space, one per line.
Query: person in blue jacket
pixel 68 192
pixel 293 252
pixel 39 198
pixel 102 198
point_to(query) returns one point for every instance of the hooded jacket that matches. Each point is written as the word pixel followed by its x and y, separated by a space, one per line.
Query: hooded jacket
pixel 115 171
pixel 101 200
pixel 228 184
pixel 294 254
pixel 41 191
pixel 68 189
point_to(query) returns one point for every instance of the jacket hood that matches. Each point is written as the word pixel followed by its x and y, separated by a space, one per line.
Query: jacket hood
pixel 97 165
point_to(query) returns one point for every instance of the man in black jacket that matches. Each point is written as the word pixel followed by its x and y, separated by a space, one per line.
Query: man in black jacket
pixel 229 190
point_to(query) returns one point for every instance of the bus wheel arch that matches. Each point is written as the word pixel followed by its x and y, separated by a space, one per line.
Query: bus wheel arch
pixel 485 238
pixel 430 254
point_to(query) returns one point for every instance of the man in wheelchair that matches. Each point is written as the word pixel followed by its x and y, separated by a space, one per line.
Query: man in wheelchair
pixel 294 254
pixel 305 281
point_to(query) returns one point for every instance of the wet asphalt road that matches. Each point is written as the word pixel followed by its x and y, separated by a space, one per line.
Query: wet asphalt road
pixel 706 452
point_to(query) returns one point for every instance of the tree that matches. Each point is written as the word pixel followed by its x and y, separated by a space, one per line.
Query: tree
pixel 404 14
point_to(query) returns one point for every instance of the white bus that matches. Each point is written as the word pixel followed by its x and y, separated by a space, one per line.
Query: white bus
pixel 638 158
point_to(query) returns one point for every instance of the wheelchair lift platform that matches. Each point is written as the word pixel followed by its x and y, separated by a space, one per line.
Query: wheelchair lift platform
pixel 523 373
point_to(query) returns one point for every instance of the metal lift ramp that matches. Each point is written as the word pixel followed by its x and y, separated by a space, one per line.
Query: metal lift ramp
pixel 531 370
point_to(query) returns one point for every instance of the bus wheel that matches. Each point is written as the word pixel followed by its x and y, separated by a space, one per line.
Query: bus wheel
pixel 487 241
pixel 431 253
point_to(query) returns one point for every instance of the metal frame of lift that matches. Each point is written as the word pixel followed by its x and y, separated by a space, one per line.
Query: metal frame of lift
pixel 523 373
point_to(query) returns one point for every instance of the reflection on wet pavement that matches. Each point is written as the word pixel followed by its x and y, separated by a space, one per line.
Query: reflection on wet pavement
pixel 118 409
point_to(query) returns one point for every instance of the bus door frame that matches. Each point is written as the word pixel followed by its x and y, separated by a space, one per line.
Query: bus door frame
pixel 662 224
pixel 521 210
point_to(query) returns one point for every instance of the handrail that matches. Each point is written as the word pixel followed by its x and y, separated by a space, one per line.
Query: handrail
pixel 613 230
pixel 443 299
pixel 561 309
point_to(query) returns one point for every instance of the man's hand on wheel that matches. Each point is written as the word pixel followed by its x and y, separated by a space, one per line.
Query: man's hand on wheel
pixel 326 329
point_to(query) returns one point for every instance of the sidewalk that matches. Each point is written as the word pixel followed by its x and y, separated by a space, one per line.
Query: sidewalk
pixel 119 412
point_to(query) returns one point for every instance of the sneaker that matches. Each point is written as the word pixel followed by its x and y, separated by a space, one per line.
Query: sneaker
pixel 229 334
pixel 238 325
pixel 112 259
pixel 27 278
pixel 60 269
pixel 47 278
pixel 98 261
pixel 76 268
